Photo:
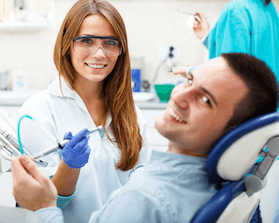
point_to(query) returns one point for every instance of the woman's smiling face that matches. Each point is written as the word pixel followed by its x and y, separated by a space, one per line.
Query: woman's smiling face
pixel 95 66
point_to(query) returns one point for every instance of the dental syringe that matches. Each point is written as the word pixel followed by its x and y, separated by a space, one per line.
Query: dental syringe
pixel 64 142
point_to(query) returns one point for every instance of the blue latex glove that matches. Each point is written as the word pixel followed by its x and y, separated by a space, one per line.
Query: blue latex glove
pixel 76 152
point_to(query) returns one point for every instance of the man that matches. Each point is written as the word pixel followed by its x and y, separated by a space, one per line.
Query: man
pixel 173 186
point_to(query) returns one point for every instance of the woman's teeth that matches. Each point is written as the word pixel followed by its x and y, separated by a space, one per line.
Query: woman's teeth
pixel 95 66
pixel 175 116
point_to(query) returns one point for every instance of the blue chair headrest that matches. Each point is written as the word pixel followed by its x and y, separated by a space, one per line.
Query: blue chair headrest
pixel 237 151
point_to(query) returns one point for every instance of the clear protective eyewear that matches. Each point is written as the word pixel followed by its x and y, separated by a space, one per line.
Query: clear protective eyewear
pixel 89 45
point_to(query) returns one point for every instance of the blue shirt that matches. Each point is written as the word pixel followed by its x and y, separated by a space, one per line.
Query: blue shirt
pixel 170 188
pixel 247 26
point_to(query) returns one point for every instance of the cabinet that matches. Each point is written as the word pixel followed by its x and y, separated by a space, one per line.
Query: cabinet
pixel 27 15
pixel 155 140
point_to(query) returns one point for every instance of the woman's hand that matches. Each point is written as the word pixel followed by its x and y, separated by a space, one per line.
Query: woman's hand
pixel 201 28
pixel 75 155
pixel 76 152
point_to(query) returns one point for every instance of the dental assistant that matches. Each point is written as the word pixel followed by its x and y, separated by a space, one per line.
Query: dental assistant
pixel 93 88
pixel 244 26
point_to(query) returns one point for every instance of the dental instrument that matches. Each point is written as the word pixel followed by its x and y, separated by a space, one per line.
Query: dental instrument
pixel 12 140
pixel 188 13
pixel 9 145
pixel 9 152
pixel 5 154
pixel 18 132
pixel 192 14
pixel 64 142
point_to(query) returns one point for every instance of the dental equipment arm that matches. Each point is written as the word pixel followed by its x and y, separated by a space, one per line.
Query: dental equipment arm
pixel 11 143
pixel 64 142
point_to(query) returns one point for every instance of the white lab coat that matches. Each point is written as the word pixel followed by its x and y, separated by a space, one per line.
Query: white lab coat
pixel 54 115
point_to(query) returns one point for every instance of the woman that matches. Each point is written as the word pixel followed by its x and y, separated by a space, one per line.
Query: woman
pixel 244 26
pixel 93 88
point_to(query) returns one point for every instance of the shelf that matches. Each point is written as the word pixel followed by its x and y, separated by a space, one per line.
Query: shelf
pixel 26 26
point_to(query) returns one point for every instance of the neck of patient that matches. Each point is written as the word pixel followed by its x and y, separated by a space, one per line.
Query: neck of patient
pixel 175 148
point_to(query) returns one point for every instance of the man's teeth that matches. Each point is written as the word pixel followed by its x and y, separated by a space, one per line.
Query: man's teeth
pixel 175 116
pixel 95 66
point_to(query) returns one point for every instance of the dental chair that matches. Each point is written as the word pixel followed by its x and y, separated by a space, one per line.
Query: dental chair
pixel 233 166
pixel 238 165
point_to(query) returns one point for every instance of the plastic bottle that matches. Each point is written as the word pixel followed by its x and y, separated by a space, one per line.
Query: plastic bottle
pixel 20 79
pixel 4 10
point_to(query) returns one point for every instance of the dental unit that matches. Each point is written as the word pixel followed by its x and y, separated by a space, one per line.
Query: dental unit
pixel 9 146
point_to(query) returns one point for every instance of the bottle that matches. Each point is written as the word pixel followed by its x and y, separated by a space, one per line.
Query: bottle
pixel 20 79
pixel 4 10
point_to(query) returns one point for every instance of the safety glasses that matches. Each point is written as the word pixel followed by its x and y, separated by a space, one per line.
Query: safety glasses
pixel 89 45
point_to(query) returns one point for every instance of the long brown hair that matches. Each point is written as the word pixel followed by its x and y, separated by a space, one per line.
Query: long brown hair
pixel 117 88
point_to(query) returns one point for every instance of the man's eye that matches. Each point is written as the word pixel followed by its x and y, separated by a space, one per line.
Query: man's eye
pixel 206 100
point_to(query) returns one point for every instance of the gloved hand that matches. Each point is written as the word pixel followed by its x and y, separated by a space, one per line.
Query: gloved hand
pixel 76 152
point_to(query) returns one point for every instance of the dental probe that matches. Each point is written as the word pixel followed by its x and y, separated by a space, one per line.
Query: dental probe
pixel 64 142
pixel 192 14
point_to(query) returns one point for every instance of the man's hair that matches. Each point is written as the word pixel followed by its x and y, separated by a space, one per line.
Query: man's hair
pixel 262 96
pixel 266 2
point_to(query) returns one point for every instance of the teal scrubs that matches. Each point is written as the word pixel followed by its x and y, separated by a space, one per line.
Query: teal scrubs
pixel 247 26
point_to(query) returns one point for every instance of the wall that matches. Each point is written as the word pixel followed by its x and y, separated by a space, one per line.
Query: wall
pixel 150 24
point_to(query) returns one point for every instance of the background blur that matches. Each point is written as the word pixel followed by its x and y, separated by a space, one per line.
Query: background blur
pixel 152 26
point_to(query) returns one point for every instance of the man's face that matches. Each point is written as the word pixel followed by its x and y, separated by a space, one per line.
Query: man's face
pixel 200 108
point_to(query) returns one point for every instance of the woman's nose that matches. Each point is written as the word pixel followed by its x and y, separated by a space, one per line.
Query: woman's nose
pixel 99 52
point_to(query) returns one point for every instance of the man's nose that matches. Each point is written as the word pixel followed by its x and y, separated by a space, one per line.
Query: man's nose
pixel 183 98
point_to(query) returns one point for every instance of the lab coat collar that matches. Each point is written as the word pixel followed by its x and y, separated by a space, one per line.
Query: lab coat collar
pixel 68 92
pixel 54 88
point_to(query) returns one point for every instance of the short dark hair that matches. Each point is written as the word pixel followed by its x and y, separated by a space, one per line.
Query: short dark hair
pixel 266 2
pixel 262 96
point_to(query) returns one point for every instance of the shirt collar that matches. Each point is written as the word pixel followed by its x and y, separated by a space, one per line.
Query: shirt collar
pixel 166 160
